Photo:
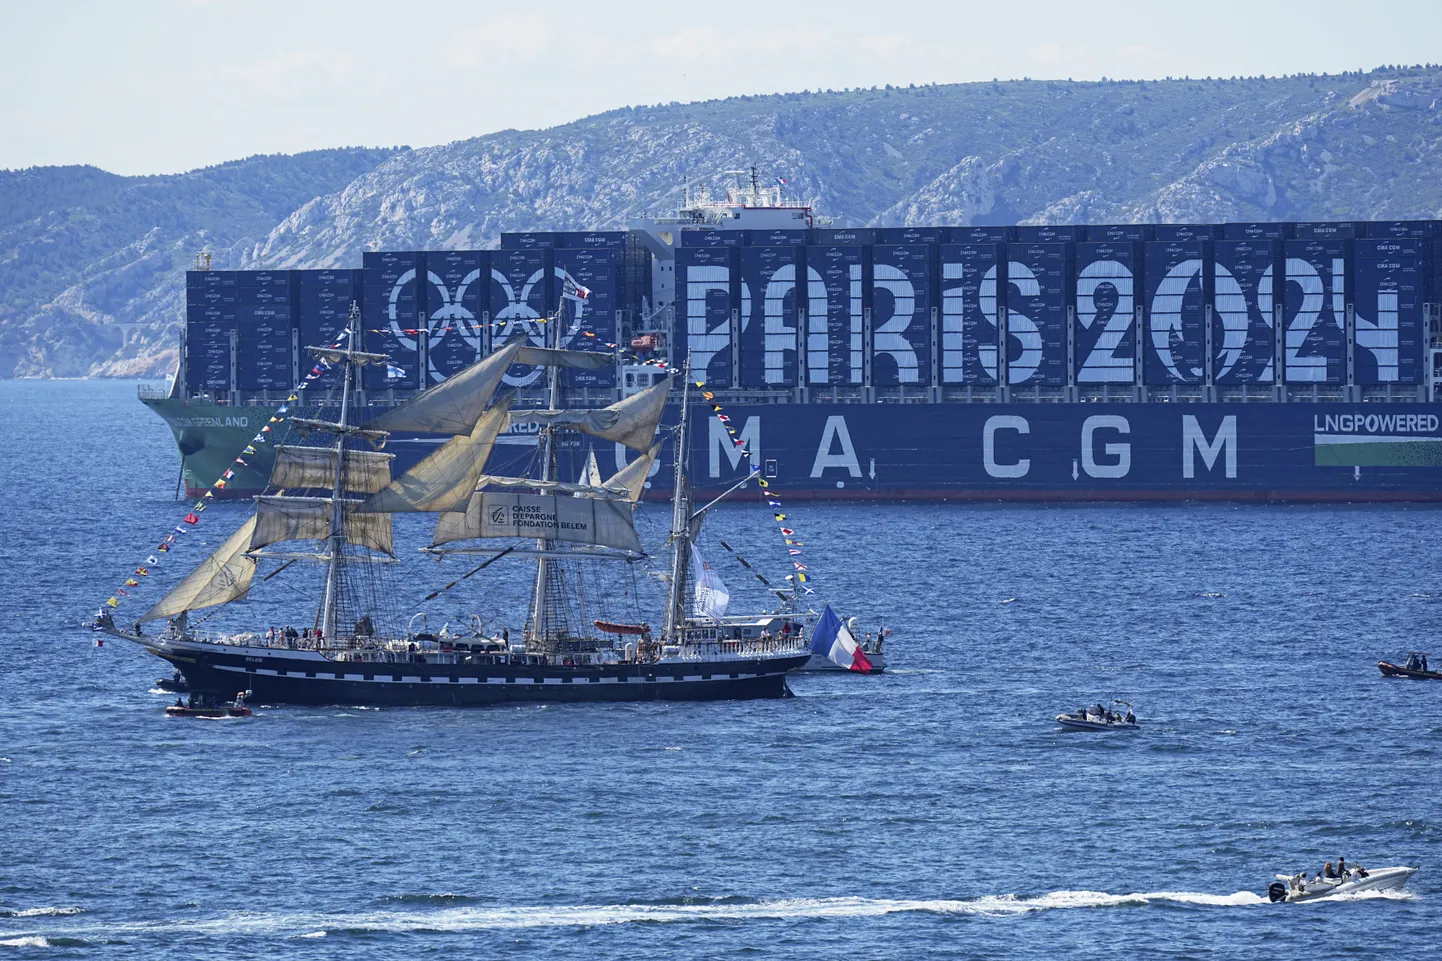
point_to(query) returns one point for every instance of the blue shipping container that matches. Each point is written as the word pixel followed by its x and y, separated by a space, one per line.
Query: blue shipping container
pixel 204 279
pixel 837 236
pixel 1183 233
pixel 1118 233
pixel 713 238
pixel 1257 231
pixel 1048 233
pixel 913 235
pixel 536 240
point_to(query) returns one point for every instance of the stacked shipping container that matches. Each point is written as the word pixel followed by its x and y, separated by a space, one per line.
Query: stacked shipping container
pixel 1163 306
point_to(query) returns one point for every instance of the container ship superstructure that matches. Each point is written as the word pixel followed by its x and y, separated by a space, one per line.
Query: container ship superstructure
pixel 1287 362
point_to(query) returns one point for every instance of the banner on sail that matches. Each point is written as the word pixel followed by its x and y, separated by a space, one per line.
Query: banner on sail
pixel 575 520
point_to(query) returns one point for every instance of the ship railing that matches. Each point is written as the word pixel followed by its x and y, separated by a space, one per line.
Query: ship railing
pixel 148 392
pixel 725 650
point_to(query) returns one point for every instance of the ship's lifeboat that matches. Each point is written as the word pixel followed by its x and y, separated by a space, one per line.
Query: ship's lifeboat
pixel 610 627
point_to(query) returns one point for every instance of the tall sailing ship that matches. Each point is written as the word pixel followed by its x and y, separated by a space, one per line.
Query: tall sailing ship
pixel 341 498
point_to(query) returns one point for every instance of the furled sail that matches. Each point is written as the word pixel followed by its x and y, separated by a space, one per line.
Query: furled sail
pixel 335 355
pixel 308 518
pixel 633 476
pixel 582 489
pixel 365 472
pixel 455 404
pixel 575 520
pixel 222 577
pixel 631 422
pixel 446 478
pixel 575 359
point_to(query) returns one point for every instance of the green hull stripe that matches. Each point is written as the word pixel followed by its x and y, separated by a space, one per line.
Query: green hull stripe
pixel 1423 452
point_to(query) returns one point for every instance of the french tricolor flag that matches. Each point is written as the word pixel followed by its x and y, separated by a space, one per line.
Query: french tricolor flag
pixel 833 641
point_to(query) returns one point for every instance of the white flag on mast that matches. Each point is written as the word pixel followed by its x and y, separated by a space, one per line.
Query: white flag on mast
pixel 711 597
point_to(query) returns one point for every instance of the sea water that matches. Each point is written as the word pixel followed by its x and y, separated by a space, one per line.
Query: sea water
pixel 935 811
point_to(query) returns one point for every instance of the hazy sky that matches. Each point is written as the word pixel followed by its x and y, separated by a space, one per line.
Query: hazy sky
pixel 159 86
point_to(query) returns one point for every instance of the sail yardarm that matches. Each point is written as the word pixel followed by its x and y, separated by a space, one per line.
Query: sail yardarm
pixel 575 520
pixel 455 405
pixel 314 467
pixel 308 518
pixel 222 577
pixel 446 477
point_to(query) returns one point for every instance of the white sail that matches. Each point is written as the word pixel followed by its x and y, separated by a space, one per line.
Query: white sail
pixel 631 422
pixel 314 467
pixel 575 520
pixel 633 476
pixel 447 477
pixel 711 597
pixel 308 518
pixel 219 579
pixel 455 405
pixel 591 473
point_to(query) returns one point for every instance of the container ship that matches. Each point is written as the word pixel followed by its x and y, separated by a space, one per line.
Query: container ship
pixel 1284 362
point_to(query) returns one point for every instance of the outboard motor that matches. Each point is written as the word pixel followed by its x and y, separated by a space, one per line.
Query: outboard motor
pixel 1277 891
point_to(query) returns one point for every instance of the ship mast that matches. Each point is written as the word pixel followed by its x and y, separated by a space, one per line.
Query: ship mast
pixel 337 506
pixel 548 453
pixel 680 520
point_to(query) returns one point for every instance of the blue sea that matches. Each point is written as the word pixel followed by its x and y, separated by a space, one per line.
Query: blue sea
pixel 933 812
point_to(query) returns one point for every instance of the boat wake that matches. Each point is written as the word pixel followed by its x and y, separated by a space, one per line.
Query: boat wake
pixel 462 919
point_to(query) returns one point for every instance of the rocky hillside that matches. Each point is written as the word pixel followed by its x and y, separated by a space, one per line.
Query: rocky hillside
pixel 90 264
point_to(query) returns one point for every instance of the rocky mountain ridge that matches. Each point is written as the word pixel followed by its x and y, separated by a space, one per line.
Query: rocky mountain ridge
pixel 91 266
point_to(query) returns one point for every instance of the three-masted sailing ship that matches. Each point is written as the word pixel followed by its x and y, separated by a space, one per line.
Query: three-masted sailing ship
pixel 333 504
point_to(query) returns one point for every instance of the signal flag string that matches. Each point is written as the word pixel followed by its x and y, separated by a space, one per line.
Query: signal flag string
pixel 793 544
pixel 192 517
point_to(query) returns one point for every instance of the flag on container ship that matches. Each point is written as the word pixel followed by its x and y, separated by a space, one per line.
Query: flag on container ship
pixel 833 641
pixel 572 289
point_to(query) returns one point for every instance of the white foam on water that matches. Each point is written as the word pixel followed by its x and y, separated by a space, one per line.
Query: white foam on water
pixel 470 919
pixel 41 912
pixel 26 942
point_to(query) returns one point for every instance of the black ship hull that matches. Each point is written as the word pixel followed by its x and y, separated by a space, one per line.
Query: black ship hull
pixel 296 677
